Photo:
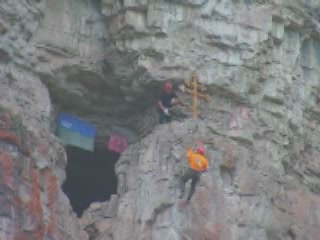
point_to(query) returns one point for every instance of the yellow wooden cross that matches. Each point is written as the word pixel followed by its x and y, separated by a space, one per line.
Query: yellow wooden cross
pixel 197 90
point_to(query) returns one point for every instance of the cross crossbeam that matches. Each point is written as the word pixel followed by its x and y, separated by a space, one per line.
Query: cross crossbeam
pixel 197 90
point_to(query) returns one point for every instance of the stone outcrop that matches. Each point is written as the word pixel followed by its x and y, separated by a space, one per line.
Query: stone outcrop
pixel 32 161
pixel 32 170
pixel 246 194
pixel 260 63
pixel 105 61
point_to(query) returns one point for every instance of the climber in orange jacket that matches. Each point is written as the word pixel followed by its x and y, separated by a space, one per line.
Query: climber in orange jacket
pixel 198 163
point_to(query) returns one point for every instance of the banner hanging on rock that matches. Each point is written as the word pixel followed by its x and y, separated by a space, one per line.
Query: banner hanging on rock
pixel 75 132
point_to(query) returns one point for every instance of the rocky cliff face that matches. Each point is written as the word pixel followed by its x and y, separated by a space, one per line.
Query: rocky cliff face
pixel 31 160
pixel 104 62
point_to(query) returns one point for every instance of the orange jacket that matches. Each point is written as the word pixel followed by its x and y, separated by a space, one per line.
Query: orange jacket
pixel 197 161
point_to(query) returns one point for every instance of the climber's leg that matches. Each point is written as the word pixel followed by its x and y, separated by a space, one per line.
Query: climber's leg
pixel 182 181
pixel 168 118
pixel 195 179
pixel 162 118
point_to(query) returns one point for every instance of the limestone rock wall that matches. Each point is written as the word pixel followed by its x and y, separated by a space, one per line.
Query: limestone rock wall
pixel 32 162
pixel 246 194
pixel 260 61
pixel 104 61
pixel 32 170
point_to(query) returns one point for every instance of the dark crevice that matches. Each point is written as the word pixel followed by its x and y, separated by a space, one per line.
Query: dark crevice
pixel 4 56
pixel 90 177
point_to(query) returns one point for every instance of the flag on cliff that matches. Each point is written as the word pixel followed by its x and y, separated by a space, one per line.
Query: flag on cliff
pixel 117 143
pixel 75 132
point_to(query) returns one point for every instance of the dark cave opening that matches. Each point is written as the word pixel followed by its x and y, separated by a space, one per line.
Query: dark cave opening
pixel 90 177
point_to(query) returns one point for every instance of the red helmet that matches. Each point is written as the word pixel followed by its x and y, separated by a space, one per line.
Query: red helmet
pixel 167 87
pixel 200 150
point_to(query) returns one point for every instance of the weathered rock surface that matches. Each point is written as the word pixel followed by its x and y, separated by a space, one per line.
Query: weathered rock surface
pixel 260 61
pixel 32 162
pixel 104 62
pixel 246 194
pixel 31 172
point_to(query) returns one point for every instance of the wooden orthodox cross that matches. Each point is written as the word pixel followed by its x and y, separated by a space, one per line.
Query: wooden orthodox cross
pixel 195 88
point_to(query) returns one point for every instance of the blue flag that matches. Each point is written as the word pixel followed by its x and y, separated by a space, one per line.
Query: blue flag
pixel 75 132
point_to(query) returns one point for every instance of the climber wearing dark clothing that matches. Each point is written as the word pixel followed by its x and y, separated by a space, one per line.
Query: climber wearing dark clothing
pixel 198 164
pixel 166 101
pixel 195 177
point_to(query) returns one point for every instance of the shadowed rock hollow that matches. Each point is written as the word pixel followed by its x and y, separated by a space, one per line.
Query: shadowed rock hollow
pixel 90 177
pixel 104 61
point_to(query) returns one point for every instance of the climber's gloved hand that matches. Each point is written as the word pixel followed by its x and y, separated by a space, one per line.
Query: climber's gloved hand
pixel 166 111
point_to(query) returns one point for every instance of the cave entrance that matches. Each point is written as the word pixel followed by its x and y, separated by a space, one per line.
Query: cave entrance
pixel 90 177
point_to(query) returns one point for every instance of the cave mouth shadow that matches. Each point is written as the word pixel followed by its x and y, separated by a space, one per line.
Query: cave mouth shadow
pixel 90 177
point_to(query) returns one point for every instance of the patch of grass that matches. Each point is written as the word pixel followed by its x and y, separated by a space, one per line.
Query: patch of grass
pixel 16 123
pixel 272 233
pixel 2 109
pixel 161 207
pixel 313 183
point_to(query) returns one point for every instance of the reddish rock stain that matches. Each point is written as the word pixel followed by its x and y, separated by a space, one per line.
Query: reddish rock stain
pixel 10 137
pixel 6 169
pixel 35 206
pixel 213 233
pixel 229 162
pixel 43 149
pixel 5 120
pixel 52 190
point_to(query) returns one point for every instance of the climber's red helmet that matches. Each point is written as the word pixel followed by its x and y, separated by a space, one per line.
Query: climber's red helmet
pixel 200 150
pixel 167 87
